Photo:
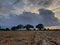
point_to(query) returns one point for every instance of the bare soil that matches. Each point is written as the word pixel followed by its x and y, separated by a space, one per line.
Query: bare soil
pixel 29 37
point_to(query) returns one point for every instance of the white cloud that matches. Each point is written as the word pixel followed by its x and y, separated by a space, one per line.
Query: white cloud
pixel 17 7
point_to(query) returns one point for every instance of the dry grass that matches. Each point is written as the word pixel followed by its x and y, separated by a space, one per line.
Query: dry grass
pixel 28 37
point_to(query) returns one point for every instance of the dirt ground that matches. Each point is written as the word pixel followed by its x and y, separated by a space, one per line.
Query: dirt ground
pixel 29 37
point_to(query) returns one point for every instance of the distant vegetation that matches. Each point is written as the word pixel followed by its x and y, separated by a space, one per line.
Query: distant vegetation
pixel 25 27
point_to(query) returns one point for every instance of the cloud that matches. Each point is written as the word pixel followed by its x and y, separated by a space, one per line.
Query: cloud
pixel 40 3
pixel 49 18
pixel 45 17
pixel 25 18
pixel 28 5
pixel 14 12
pixel 19 6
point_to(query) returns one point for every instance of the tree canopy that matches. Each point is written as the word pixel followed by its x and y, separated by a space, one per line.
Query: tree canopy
pixel 28 26
pixel 40 26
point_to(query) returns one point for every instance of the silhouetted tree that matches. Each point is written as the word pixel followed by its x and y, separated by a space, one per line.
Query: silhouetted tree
pixel 34 29
pixel 47 28
pixel 2 29
pixel 28 26
pixel 7 29
pixel 19 26
pixel 40 26
pixel 13 28
pixel 44 28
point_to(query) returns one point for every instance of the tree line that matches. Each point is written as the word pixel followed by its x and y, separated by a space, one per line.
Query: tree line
pixel 26 27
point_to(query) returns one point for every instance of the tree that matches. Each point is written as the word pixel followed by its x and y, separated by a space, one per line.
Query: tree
pixel 28 26
pixel 40 26
pixel 13 28
pixel 19 26
pixel 7 29
pixel 2 29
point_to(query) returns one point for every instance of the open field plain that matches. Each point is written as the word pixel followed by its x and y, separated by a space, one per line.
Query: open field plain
pixel 29 37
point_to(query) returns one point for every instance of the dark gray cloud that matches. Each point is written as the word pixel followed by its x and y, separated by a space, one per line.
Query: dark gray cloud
pixel 18 6
pixel 25 18
pixel 17 1
pixel 10 11
pixel 48 17
pixel 41 3
pixel 45 17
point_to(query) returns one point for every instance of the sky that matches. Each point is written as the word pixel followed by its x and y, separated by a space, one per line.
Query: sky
pixel 14 12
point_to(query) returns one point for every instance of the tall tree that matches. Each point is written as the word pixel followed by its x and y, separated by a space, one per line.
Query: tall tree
pixel 7 29
pixel 40 26
pixel 28 26
pixel 19 26
pixel 13 28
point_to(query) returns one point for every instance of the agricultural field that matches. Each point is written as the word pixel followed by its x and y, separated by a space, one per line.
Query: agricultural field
pixel 29 37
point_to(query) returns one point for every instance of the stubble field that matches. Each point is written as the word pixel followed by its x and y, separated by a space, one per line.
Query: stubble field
pixel 29 37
